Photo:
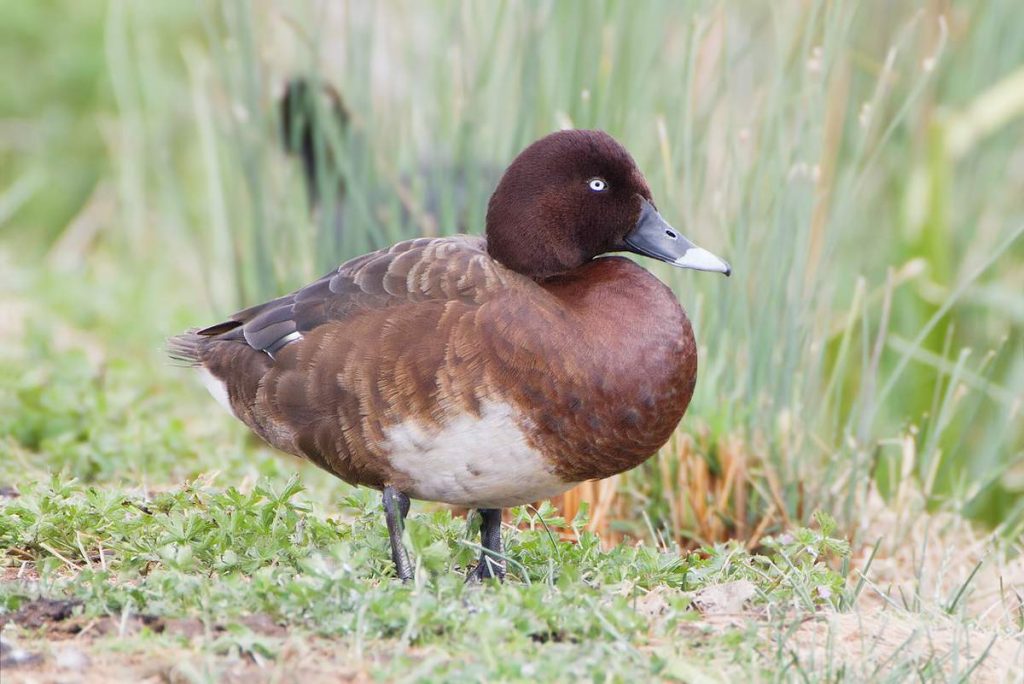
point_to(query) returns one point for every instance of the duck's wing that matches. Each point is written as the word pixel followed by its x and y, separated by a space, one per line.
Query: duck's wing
pixel 451 268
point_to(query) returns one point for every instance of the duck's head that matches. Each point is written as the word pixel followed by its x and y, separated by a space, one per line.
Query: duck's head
pixel 573 195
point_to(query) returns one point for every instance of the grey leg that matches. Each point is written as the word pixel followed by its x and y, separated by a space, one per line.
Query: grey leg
pixel 490 565
pixel 396 507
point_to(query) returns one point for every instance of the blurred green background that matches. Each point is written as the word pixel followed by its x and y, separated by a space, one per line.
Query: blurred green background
pixel 861 165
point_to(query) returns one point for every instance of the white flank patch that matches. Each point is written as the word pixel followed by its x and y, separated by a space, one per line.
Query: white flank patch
pixel 474 462
pixel 216 387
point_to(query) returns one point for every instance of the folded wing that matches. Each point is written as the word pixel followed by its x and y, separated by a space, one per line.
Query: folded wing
pixel 424 269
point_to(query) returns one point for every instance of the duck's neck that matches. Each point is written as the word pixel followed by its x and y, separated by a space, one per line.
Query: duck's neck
pixel 621 306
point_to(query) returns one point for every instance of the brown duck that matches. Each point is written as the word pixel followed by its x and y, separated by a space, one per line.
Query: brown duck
pixel 484 372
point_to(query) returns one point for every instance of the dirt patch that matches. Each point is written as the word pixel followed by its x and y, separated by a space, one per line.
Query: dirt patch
pixel 25 572
pixel 866 642
pixel 938 556
pixel 297 658
pixel 58 620
pixel 40 613
pixel 49 640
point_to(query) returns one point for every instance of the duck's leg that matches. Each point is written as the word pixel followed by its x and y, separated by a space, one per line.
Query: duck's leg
pixel 491 564
pixel 396 507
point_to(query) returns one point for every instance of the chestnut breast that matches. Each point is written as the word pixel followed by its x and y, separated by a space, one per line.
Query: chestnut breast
pixel 619 372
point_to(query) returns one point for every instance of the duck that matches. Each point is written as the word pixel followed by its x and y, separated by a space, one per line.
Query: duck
pixel 484 371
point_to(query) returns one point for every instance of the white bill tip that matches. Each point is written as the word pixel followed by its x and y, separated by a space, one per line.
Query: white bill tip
pixel 701 259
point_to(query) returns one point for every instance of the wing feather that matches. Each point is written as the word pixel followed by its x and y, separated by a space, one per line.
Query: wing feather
pixel 451 268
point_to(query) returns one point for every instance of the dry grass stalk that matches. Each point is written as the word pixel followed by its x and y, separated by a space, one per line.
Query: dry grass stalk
pixel 708 500
pixel 600 495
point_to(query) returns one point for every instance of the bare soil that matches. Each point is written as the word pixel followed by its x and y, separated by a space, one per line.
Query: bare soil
pixel 55 643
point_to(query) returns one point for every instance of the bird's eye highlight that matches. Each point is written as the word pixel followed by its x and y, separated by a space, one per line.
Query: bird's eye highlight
pixel 597 184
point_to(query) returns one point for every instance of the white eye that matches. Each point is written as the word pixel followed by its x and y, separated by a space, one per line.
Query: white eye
pixel 597 184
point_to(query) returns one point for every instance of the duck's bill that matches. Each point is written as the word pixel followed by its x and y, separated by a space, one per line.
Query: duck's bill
pixel 655 238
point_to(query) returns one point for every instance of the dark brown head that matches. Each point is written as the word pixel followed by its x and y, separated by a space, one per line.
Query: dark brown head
pixel 573 195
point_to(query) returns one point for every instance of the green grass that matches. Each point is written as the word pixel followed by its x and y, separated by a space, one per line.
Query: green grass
pixel 858 164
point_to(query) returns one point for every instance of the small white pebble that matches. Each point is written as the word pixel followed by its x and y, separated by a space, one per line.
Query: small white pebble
pixel 71 658
pixel 13 656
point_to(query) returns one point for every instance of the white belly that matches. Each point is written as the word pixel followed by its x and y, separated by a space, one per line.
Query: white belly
pixel 216 387
pixel 476 462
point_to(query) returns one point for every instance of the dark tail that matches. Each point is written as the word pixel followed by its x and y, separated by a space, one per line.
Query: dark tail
pixel 185 348
pixel 308 113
